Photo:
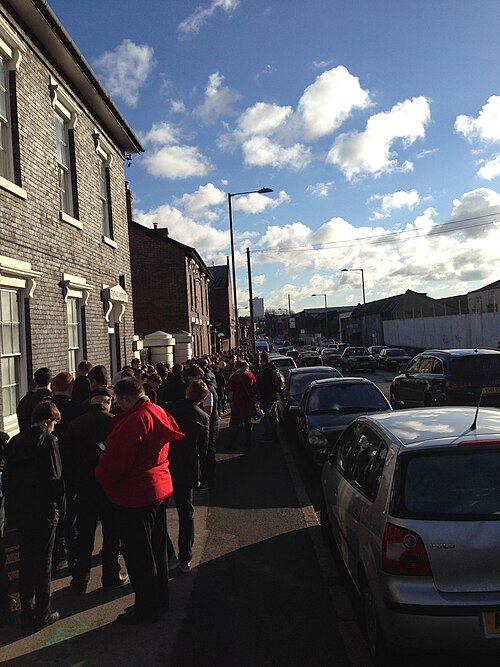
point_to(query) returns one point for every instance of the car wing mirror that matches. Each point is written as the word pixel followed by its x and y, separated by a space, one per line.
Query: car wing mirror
pixel 398 405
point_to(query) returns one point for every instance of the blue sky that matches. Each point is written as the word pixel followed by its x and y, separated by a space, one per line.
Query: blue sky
pixel 377 125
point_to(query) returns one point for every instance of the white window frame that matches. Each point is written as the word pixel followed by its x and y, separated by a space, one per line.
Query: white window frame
pixel 15 353
pixel 104 154
pixel 17 276
pixel 11 52
pixel 67 112
pixel 75 288
pixel 74 333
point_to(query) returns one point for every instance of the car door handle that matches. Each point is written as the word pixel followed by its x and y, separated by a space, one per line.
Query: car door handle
pixel 355 515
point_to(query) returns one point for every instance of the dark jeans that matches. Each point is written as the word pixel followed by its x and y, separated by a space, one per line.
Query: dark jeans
pixel 36 541
pixel 4 577
pixel 208 465
pixel 269 420
pixel 66 535
pixel 89 507
pixel 236 425
pixel 143 531
pixel 183 496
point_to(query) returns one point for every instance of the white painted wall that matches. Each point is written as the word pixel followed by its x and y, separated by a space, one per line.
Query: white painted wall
pixel 452 331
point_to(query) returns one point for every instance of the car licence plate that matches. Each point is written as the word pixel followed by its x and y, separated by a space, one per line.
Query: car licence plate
pixel 492 622
pixel 490 390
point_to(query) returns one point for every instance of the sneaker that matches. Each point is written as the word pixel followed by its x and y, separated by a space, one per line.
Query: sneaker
pixel 173 563
pixel 52 617
pixel 122 580
pixel 185 567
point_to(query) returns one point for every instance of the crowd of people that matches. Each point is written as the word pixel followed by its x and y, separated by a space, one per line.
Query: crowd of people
pixel 90 449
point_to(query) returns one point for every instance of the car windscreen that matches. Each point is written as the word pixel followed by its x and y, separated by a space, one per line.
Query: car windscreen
pixel 396 352
pixel 345 398
pixel 358 350
pixel 298 383
pixel 457 484
pixel 477 368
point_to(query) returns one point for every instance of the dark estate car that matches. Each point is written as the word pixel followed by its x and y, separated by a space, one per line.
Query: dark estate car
pixel 297 382
pixel 394 358
pixel 357 357
pixel 331 356
pixel 329 406
pixel 450 377
pixel 309 359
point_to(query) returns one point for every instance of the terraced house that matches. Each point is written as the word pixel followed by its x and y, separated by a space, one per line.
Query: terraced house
pixel 64 245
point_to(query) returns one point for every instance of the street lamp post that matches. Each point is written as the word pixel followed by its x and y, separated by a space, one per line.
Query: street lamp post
pixel 363 335
pixel 230 195
pixel 326 313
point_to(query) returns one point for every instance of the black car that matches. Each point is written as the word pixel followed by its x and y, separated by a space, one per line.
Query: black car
pixel 297 382
pixel 309 359
pixel 393 358
pixel 329 406
pixel 331 356
pixel 357 357
pixel 450 377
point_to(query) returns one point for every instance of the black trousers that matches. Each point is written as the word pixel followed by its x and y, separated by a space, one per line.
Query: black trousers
pixel 143 532
pixel 36 541
pixel 4 577
pixel 208 465
pixel 92 505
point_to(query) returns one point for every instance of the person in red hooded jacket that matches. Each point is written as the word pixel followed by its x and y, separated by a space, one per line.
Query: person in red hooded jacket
pixel 133 471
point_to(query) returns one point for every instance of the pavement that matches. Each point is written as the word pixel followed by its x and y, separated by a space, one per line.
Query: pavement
pixel 264 590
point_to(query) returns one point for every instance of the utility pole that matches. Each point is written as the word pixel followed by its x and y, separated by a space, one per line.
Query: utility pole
pixel 250 298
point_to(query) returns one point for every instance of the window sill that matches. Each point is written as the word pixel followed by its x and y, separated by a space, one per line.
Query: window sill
pixel 70 220
pixel 5 184
pixel 110 242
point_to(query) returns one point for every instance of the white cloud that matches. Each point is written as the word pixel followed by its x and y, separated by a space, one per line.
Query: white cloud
pixel 126 69
pixel 177 106
pixel 262 151
pixel 199 202
pixel 386 204
pixel 168 158
pixel 203 237
pixel 218 100
pixel 320 190
pixel 266 71
pixel 193 23
pixel 327 102
pixel 490 169
pixel 262 119
pixel 255 203
pixel 486 126
pixel 260 279
pixel 370 151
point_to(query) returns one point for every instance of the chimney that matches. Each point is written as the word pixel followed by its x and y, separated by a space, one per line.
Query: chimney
pixel 155 225
pixel 130 201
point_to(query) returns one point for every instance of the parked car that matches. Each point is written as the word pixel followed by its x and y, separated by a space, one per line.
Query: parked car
pixel 297 382
pixel 411 498
pixel 357 357
pixel 450 377
pixel 393 358
pixel 283 364
pixel 309 359
pixel 331 356
pixel 375 350
pixel 328 406
pixel 293 353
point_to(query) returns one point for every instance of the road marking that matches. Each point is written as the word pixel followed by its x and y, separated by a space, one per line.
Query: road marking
pixel 61 633
pixel 354 642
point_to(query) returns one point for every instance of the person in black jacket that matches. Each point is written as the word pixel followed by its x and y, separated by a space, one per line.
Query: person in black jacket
pixel 34 495
pixel 84 444
pixel 6 600
pixel 81 388
pixel 175 385
pixel 186 457
pixel 41 392
pixel 267 390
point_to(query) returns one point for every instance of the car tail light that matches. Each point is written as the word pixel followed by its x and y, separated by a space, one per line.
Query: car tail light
pixel 457 385
pixel 403 552
pixel 466 443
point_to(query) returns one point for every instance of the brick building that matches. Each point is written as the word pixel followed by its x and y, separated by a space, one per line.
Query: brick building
pixel 64 246
pixel 170 286
pixel 221 304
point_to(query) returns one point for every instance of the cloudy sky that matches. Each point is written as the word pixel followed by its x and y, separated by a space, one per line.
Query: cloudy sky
pixel 376 124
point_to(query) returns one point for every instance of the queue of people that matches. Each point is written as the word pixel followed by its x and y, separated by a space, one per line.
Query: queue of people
pixel 89 451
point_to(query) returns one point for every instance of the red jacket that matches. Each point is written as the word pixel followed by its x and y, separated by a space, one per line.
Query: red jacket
pixel 133 471
pixel 242 385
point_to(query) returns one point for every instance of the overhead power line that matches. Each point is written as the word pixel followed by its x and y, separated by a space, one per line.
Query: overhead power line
pixel 391 237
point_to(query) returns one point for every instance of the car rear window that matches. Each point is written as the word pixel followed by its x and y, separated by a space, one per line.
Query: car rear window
pixel 299 382
pixel 345 397
pixel 284 363
pixel 458 484
pixel 478 368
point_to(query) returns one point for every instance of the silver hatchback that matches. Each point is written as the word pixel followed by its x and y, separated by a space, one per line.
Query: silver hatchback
pixel 412 500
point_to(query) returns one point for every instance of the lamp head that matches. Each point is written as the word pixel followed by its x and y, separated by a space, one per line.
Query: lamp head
pixel 264 191
pixel 345 269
